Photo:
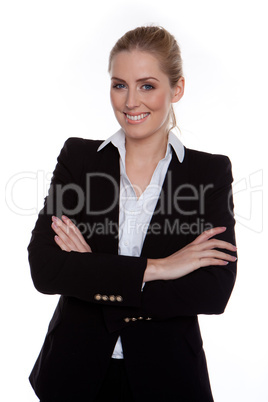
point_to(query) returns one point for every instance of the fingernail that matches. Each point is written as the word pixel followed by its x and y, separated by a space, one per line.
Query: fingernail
pixel 64 217
pixel 226 262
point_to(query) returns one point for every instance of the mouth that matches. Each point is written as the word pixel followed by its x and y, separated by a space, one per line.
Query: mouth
pixel 138 118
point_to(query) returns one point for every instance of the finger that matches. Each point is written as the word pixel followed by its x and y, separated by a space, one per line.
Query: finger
pixel 75 229
pixel 207 234
pixel 61 243
pixel 219 255
pixel 76 236
pixel 66 232
pixel 215 243
pixel 62 235
pixel 70 235
pixel 205 262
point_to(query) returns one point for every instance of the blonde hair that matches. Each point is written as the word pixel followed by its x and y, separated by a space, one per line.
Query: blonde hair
pixel 160 43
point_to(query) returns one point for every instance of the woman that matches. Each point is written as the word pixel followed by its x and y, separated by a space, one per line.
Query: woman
pixel 137 236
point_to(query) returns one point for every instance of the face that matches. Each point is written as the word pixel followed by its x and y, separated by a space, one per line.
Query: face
pixel 141 95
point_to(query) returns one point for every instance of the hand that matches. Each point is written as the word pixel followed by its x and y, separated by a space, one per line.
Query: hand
pixel 68 236
pixel 197 254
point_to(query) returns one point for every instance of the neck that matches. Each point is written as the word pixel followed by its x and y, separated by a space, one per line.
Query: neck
pixel 146 150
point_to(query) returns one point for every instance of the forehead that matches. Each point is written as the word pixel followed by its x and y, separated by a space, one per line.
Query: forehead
pixel 135 63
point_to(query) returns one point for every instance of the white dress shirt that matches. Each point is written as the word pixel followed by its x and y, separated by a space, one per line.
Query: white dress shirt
pixel 135 213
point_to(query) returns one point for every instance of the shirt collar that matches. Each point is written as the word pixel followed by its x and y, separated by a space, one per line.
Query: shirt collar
pixel 118 140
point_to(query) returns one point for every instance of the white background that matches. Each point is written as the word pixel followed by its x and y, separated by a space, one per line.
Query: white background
pixel 54 85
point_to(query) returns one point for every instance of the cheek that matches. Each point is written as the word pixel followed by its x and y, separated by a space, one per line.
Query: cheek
pixel 112 99
pixel 115 99
pixel 160 101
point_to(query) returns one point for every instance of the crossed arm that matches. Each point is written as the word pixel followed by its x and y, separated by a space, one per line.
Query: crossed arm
pixel 199 253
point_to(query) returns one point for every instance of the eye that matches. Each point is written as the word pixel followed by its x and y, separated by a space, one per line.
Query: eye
pixel 147 87
pixel 118 86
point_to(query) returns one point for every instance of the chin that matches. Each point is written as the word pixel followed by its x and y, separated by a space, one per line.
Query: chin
pixel 136 132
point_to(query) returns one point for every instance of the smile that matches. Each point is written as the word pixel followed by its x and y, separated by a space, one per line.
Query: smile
pixel 138 117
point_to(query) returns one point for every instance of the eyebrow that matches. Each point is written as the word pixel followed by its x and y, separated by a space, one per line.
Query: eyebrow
pixel 140 79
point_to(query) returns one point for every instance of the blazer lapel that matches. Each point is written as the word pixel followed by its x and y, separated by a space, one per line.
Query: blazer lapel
pixel 163 235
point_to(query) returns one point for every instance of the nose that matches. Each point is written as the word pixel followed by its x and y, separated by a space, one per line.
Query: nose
pixel 132 100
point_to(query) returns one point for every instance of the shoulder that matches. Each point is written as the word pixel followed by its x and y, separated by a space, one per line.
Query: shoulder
pixel 76 150
pixel 206 157
pixel 74 144
pixel 75 153
pixel 79 155
pixel 208 165
pixel 206 160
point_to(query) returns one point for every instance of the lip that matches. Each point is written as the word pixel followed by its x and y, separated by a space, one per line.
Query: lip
pixel 136 114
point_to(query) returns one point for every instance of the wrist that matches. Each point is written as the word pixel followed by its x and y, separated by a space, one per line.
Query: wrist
pixel 153 270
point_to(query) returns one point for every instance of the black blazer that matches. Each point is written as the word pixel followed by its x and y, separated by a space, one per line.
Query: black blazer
pixel 101 295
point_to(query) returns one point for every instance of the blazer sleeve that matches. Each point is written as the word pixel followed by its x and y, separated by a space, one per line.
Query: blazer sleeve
pixel 206 290
pixel 92 277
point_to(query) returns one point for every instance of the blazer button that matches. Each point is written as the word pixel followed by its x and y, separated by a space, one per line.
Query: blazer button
pixel 126 319
pixel 140 318
pixel 148 318
pixel 119 298
pixel 112 298
pixel 97 297
pixel 133 319
pixel 104 298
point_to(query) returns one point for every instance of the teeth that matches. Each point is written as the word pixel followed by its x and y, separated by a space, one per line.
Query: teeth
pixel 139 117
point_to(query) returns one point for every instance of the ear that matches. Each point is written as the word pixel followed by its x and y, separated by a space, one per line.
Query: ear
pixel 178 90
